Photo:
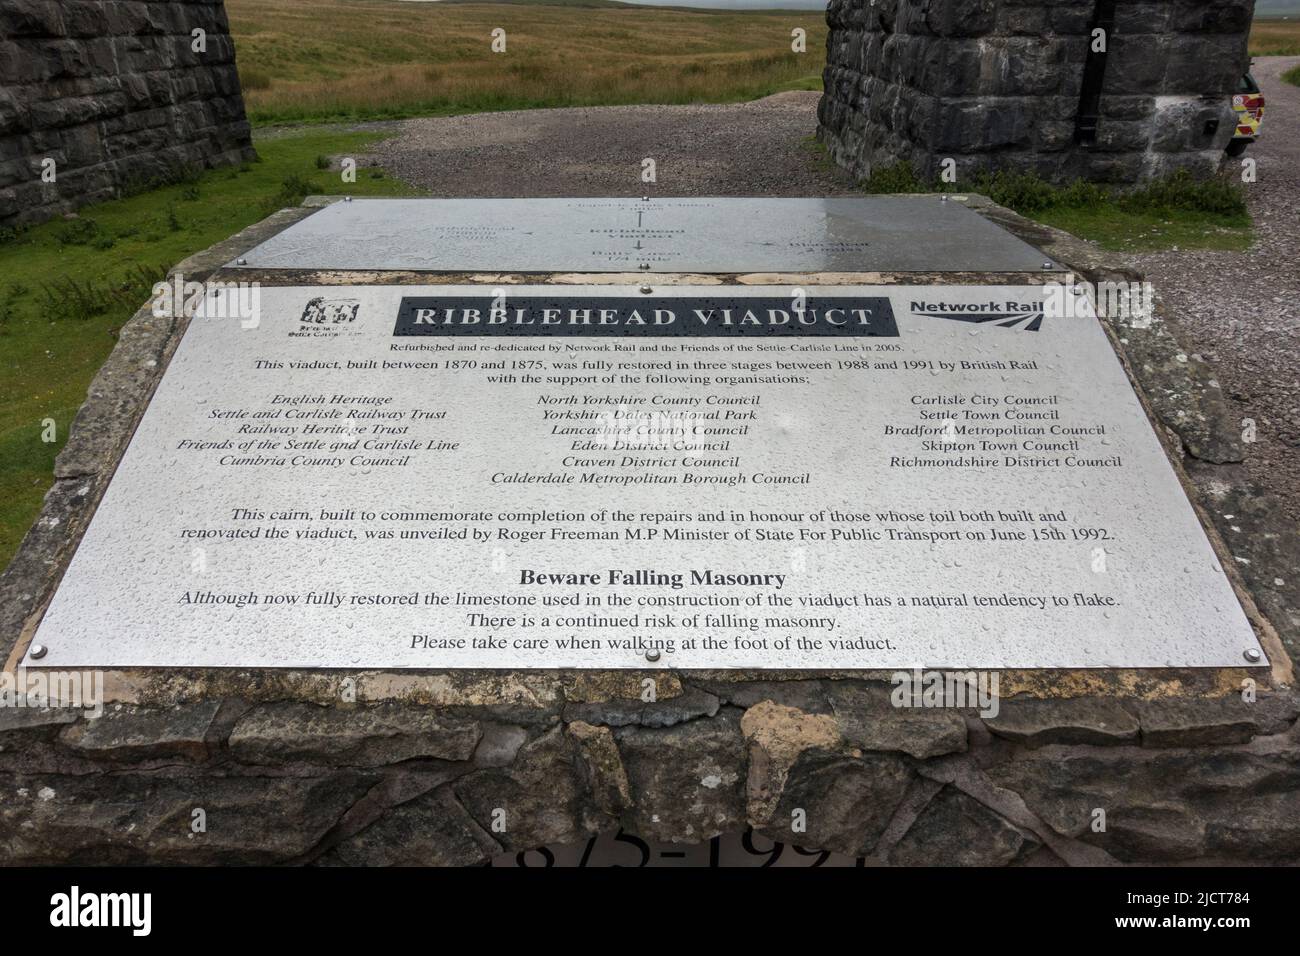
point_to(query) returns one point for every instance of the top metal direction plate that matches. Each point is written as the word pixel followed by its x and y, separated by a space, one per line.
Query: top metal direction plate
pixel 871 234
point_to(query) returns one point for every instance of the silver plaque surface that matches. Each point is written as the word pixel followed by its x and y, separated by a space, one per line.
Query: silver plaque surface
pixel 699 477
pixel 709 235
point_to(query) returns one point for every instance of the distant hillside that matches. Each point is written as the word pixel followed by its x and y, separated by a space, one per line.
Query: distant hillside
pixel 538 3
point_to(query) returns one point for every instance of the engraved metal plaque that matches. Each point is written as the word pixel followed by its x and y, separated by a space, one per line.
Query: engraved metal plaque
pixel 707 477
pixel 878 233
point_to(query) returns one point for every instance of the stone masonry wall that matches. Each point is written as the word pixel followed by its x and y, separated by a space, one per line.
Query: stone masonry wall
pixel 116 95
pixel 997 84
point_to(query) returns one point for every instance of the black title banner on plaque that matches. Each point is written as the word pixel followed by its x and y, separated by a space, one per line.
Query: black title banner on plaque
pixel 666 316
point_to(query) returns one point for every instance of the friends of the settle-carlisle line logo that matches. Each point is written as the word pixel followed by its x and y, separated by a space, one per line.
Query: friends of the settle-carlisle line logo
pixel 328 319
pixel 1026 316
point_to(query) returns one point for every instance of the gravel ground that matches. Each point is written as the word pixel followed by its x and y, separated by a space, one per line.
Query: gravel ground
pixel 745 149
pixel 1241 310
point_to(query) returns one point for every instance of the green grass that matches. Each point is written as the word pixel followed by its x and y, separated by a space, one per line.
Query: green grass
pixel 1121 231
pixel 1178 212
pixel 1292 76
pixel 67 286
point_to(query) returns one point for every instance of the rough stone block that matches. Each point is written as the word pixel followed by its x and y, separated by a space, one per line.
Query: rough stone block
pixel 131 818
pixel 687 781
pixel 663 712
pixel 1083 720
pixel 1205 65
pixel 961 17
pixel 371 736
pixel 955 829
pixel 1115 135
pixel 1195 723
pixel 31 18
pixel 544 795
pixel 431 830
pixel 969 126
pixel 1216 16
pixel 1136 65
pixel 869 720
pixel 132 735
pixel 847 801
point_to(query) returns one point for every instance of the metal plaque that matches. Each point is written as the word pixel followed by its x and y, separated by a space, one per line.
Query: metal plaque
pixel 694 477
pixel 880 233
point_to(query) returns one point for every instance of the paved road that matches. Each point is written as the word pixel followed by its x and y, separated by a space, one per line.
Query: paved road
pixel 1241 311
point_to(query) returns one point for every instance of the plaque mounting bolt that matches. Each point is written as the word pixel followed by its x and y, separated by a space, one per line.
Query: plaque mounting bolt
pixel 645 265
pixel 1047 265
pixel 1252 655
pixel 646 290
pixel 241 262
pixel 652 655
pixel 37 652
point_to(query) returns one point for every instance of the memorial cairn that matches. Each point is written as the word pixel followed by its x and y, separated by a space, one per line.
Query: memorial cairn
pixel 651 531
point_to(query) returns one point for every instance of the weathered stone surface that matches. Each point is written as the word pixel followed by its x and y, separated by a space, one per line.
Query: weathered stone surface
pixel 661 712
pixel 806 695
pixel 777 736
pixel 350 736
pixel 1085 720
pixel 844 803
pixel 17 722
pixel 541 798
pixel 137 818
pixel 1195 723
pixel 868 720
pixel 1265 545
pixel 1164 805
pixel 134 734
pixel 606 776
pixel 431 830
pixel 997 85
pixel 957 830
pixel 688 781
pixel 86 72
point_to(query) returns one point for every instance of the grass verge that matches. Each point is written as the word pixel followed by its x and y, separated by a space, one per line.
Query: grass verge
pixel 67 286
pixel 1175 213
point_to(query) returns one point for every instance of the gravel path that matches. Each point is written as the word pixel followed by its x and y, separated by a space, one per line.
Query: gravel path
pixel 745 149
pixel 1241 310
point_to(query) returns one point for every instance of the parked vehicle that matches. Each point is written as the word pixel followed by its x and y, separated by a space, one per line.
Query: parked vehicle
pixel 1248 103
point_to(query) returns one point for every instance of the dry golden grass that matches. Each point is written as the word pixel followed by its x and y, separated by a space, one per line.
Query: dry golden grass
pixel 340 59
pixel 1275 38
pixel 325 59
